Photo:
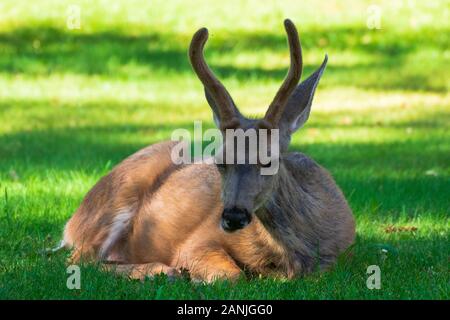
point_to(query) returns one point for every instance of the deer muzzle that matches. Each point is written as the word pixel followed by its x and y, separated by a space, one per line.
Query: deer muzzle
pixel 235 218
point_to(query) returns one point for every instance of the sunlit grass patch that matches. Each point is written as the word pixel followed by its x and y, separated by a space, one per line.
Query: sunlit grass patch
pixel 74 103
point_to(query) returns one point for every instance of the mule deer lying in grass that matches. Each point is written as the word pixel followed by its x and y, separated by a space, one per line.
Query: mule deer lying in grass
pixel 150 215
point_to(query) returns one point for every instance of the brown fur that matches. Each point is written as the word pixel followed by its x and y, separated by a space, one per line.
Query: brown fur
pixel 150 215
pixel 176 219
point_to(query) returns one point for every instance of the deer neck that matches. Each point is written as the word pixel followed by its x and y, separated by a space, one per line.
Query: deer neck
pixel 286 217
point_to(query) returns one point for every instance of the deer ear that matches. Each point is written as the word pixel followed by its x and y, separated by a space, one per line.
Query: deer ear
pixel 298 106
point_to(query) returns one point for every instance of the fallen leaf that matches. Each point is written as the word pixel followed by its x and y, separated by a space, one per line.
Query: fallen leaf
pixel 394 229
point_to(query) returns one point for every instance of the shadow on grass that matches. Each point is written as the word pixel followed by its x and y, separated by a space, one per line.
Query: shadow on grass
pixel 42 51
pixel 421 256
pixel 391 176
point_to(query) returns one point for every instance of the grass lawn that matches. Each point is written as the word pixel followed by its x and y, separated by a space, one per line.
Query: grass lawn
pixel 75 102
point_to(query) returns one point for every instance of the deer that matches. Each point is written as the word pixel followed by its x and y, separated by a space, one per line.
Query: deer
pixel 219 221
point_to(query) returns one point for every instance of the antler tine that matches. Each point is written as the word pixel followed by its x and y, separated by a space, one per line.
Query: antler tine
pixel 278 104
pixel 206 76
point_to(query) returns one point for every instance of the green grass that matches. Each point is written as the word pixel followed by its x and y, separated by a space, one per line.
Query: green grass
pixel 73 103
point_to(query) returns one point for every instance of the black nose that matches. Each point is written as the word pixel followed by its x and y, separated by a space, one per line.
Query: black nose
pixel 235 218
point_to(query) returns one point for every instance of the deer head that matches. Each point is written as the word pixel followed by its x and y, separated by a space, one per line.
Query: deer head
pixel 244 188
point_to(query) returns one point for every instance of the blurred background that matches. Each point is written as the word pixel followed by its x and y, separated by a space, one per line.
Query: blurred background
pixel 83 84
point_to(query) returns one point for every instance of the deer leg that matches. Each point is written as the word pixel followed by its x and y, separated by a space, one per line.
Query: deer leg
pixel 141 271
pixel 212 265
